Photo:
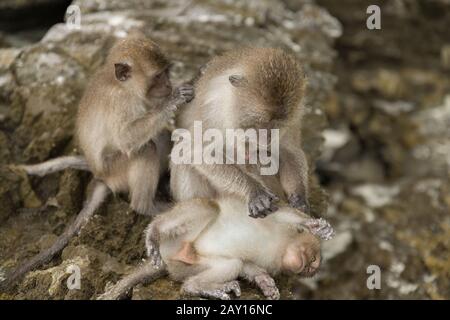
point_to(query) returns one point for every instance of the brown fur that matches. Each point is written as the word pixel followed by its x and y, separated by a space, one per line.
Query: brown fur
pixel 119 123
pixel 269 97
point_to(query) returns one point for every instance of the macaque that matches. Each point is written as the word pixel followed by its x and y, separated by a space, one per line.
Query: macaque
pixel 122 128
pixel 208 244
pixel 251 88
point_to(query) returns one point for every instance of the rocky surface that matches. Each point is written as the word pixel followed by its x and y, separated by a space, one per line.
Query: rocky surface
pixel 386 161
pixel 383 156
pixel 41 84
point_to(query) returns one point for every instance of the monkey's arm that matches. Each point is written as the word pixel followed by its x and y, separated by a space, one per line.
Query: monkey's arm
pixel 294 177
pixel 299 220
pixel 137 132
pixel 261 279
pixel 230 178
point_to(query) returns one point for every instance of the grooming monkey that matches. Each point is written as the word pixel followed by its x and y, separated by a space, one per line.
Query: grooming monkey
pixel 122 129
pixel 259 88
pixel 208 244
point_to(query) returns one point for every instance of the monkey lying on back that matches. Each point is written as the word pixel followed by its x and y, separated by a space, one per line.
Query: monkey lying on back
pixel 251 88
pixel 122 129
pixel 208 244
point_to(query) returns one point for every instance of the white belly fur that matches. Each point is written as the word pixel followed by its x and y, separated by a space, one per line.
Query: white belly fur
pixel 235 234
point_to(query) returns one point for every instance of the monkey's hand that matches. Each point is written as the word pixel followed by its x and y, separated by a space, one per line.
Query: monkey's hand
pixel 261 203
pixel 299 202
pixel 320 228
pixel 183 94
pixel 267 286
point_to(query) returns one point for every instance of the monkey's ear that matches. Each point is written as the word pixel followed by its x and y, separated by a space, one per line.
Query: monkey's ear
pixel 237 80
pixel 123 71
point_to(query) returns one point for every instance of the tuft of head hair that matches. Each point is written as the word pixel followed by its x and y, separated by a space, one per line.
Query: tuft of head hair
pixel 136 47
pixel 280 81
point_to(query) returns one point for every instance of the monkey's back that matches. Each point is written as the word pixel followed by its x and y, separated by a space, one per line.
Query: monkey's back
pixel 275 83
pixel 97 119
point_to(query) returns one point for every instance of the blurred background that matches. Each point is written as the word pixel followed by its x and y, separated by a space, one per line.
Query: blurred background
pixel 377 134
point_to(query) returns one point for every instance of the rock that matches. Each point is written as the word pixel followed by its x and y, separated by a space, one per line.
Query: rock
pixel 49 79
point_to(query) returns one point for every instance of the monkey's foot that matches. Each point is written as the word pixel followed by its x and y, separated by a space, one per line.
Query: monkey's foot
pixel 153 254
pixel 268 287
pixel 221 292
pixel 320 227
pixel 299 202
pixel 261 203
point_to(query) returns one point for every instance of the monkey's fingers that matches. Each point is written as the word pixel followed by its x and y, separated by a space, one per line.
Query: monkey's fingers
pixel 268 287
pixel 99 194
pixel 154 256
pixel 187 93
pixel 321 228
pixel 299 202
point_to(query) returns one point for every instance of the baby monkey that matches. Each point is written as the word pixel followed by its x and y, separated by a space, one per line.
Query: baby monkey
pixel 208 244
pixel 122 128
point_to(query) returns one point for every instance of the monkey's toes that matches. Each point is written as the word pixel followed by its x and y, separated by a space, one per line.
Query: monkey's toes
pixel 321 228
pixel 154 255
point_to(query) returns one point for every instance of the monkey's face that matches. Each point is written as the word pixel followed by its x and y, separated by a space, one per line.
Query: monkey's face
pixel 144 79
pixel 159 85
pixel 302 257
pixel 141 67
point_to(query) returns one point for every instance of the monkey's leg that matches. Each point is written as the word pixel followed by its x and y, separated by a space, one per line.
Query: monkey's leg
pixel 294 178
pixel 54 165
pixel 143 274
pixel 143 177
pixel 261 279
pixel 186 219
pixel 217 281
pixel 99 193
pixel 186 183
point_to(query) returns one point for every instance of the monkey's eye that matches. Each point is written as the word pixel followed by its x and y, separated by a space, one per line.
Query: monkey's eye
pixel 313 259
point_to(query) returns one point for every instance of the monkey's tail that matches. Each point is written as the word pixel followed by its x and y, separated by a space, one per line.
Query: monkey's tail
pixel 143 274
pixel 99 194
pixel 54 165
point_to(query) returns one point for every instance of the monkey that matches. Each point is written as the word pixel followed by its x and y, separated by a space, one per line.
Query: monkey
pixel 259 88
pixel 209 243
pixel 122 128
